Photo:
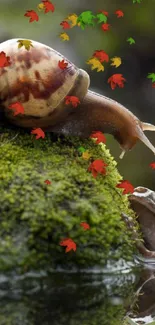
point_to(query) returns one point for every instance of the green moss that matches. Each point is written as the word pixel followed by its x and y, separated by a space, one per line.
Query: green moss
pixel 35 216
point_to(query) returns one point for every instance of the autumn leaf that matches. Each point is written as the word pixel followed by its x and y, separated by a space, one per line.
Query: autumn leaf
pixel 73 18
pixel 151 76
pixel 62 64
pixel 47 182
pixel 101 55
pixel 104 12
pixel 127 186
pixel 32 14
pixel 153 85
pixel 65 24
pixel 25 43
pixel 119 13
pixel 96 64
pixel 86 155
pixel 71 245
pixel 152 165
pixel 85 225
pixel 97 166
pixel 102 18
pixel 105 27
pixel 116 61
pixel 19 109
pixel 99 136
pixel 40 6
pixel 72 100
pixel 4 60
pixel 48 6
pixel 116 80
pixel 86 18
pixel 131 40
pixel 81 149
pixel 39 133
pixel 64 36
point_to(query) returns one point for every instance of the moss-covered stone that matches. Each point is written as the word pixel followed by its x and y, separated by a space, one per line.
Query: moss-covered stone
pixel 35 217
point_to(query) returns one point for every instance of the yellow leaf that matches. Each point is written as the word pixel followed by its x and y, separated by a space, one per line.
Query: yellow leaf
pixel 73 18
pixel 86 155
pixel 64 36
pixel 116 61
pixel 96 64
pixel 26 43
pixel 41 6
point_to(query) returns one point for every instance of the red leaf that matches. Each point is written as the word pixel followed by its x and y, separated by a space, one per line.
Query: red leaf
pixel 97 166
pixel 119 13
pixel 65 24
pixel 4 60
pixel 32 14
pixel 153 85
pixel 39 133
pixel 85 225
pixel 152 165
pixel 127 186
pixel 99 135
pixel 72 100
pixel 19 109
pixel 71 245
pixel 48 6
pixel 101 55
pixel 116 80
pixel 105 27
pixel 104 12
pixel 62 64
pixel 47 182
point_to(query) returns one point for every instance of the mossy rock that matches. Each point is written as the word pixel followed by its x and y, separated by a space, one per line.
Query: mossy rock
pixel 35 216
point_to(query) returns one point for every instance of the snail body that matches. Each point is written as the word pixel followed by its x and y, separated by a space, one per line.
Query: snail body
pixel 35 79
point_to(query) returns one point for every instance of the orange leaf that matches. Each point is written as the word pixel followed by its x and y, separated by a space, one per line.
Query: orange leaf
pixel 48 6
pixel 19 109
pixel 105 27
pixel 71 245
pixel 65 24
pixel 99 135
pixel 127 186
pixel 39 133
pixel 116 80
pixel 101 55
pixel 4 60
pixel 32 14
pixel 85 225
pixel 72 100
pixel 119 13
pixel 62 64
pixel 97 166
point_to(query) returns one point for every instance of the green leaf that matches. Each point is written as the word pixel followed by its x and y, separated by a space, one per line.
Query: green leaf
pixel 101 18
pixel 151 76
pixel 131 40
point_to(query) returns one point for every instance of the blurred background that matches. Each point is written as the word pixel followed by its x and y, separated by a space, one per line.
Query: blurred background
pixel 137 60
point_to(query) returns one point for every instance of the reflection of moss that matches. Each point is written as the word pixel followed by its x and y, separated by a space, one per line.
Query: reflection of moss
pixel 36 216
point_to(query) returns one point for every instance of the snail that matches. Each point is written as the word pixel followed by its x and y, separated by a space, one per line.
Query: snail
pixel 142 201
pixel 35 79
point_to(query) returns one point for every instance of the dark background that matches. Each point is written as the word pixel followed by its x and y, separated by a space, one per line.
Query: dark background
pixel 137 60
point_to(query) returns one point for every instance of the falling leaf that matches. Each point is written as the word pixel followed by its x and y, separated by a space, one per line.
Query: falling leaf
pixel 73 18
pixel 19 109
pixel 136 1
pixel 116 80
pixel 86 155
pixel 96 64
pixel 39 133
pixel 97 166
pixel 99 136
pixel 153 85
pixel 62 64
pixel 85 225
pixel 86 18
pixel 152 165
pixel 72 100
pixel 127 186
pixel 81 149
pixel 64 36
pixel 104 12
pixel 47 182
pixel 40 6
pixel 65 25
pixel 105 27
pixel 101 18
pixel 151 76
pixel 48 6
pixel 25 43
pixel 4 60
pixel 119 13
pixel 32 14
pixel 71 245
pixel 101 55
pixel 116 61
pixel 131 40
